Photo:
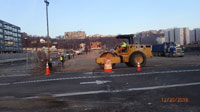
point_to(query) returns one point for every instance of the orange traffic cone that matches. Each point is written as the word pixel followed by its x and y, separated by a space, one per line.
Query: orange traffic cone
pixel 107 65
pixel 138 67
pixel 47 69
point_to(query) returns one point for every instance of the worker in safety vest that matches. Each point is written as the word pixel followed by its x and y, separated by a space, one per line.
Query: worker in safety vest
pixel 124 46
pixel 62 60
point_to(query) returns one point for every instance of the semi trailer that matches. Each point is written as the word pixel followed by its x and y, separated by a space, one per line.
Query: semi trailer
pixel 170 49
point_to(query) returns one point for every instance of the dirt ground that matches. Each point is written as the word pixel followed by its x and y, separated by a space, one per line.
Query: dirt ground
pixel 86 62
pixel 187 60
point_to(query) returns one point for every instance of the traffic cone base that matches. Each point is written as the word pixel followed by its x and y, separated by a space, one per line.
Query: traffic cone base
pixel 138 67
pixel 47 69
pixel 108 70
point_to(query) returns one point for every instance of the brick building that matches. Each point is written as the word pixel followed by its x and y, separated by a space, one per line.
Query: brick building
pixel 75 35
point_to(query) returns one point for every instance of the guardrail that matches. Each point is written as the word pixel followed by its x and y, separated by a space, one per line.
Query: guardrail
pixel 11 57
pixel 12 60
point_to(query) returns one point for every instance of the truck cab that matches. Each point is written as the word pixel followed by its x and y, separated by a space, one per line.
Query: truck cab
pixel 173 49
pixel 179 51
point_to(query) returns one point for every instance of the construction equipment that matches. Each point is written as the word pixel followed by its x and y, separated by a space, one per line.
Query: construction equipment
pixel 134 54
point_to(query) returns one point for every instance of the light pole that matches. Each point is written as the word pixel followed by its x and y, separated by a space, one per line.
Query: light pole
pixel 47 4
pixel 26 42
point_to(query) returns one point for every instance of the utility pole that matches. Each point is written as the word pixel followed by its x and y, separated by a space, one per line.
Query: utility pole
pixel 26 41
pixel 47 4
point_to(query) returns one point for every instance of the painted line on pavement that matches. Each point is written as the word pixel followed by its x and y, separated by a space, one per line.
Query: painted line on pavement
pixel 127 90
pixel 121 90
pixel 164 86
pixel 21 75
pixel 93 77
pixel 4 84
pixel 98 82
pixel 90 73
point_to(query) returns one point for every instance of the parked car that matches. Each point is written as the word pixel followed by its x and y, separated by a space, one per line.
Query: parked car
pixel 78 52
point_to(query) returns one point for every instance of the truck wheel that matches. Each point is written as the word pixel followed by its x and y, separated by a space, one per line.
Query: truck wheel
pixel 137 57
pixel 154 54
pixel 170 54
pixel 164 54
pixel 160 54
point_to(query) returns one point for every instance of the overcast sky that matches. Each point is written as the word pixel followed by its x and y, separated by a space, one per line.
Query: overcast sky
pixel 100 16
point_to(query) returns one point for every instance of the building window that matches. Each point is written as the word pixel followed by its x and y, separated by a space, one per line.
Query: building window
pixel 5 26
pixel 1 24
pixel 6 32
pixel 15 34
pixel 15 29
pixel 10 43
pixel 1 36
pixel 8 38
pixel 19 35
pixel 1 30
pixel 18 30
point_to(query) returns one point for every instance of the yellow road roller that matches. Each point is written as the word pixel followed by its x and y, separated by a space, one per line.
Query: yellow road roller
pixel 134 53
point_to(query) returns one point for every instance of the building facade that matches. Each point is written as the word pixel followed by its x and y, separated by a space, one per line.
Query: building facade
pixel 75 35
pixel 10 38
pixel 195 35
pixel 178 35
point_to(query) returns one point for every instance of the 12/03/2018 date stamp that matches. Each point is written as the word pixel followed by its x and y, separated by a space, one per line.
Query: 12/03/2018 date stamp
pixel 171 100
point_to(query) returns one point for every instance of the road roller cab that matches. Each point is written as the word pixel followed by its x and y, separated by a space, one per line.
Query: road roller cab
pixel 134 53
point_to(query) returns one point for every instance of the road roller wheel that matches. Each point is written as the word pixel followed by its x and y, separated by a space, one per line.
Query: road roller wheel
pixel 137 57
pixel 106 55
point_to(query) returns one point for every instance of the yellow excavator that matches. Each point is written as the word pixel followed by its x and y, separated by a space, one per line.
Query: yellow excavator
pixel 134 53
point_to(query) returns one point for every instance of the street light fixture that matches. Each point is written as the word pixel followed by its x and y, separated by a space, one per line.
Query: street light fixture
pixel 47 4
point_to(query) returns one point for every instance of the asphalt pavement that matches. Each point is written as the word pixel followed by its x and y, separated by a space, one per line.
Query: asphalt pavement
pixel 153 85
